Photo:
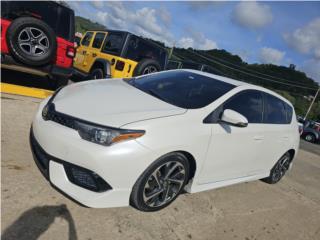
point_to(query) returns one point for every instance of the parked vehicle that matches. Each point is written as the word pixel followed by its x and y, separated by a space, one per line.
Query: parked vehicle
pixel 117 54
pixel 142 141
pixel 37 38
pixel 311 131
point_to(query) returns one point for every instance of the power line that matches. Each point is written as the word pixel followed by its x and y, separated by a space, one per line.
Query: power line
pixel 250 74
pixel 249 70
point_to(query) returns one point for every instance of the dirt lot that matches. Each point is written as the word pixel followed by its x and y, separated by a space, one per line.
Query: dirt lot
pixel 31 209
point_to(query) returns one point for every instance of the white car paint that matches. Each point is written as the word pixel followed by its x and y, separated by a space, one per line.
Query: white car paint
pixel 224 154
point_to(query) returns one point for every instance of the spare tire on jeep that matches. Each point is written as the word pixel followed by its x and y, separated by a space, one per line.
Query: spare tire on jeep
pixel 146 66
pixel 31 41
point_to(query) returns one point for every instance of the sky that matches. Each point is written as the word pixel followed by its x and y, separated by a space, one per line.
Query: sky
pixel 259 32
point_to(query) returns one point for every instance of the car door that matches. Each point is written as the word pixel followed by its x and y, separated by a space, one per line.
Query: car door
pixel 278 131
pixel 83 52
pixel 234 152
pixel 94 51
pixel 112 51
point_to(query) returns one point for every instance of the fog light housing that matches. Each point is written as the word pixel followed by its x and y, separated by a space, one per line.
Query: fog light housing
pixel 85 178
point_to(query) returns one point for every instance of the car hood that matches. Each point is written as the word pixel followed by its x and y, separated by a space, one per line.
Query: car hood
pixel 111 102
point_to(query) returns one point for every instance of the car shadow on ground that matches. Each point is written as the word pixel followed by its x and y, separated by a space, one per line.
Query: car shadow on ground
pixel 35 221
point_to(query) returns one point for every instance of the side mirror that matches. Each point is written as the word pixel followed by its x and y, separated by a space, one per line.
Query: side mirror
pixel 233 118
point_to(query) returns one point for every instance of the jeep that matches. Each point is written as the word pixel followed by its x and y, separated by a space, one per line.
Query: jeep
pixel 117 54
pixel 37 37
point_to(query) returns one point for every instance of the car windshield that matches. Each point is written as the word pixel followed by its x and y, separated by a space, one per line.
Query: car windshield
pixel 182 88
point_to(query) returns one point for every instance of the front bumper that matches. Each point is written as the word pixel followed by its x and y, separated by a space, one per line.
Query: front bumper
pixel 119 165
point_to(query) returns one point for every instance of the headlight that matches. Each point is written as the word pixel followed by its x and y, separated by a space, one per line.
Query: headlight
pixel 104 135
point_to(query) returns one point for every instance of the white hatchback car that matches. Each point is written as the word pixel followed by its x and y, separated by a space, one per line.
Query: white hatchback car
pixel 142 141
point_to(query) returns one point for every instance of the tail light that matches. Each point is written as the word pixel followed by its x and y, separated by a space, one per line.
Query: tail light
pixel 120 65
pixel 70 52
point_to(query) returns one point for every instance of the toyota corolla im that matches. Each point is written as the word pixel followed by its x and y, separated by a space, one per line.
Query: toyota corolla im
pixel 142 141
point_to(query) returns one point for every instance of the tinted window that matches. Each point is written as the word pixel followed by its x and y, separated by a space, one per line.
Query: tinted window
pixel 172 65
pixel 139 49
pixel 114 43
pixel 182 88
pixel 274 110
pixel 58 17
pixel 289 111
pixel 248 103
pixel 190 65
pixel 86 39
pixel 98 40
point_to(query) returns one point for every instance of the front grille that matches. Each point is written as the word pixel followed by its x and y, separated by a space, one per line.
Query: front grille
pixel 50 114
pixel 40 157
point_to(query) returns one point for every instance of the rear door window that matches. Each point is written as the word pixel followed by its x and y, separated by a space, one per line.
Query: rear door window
pixel 98 40
pixel 114 43
pixel 248 103
pixel 86 39
pixel 274 110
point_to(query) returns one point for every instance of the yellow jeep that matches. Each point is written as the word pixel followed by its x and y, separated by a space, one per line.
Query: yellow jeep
pixel 117 54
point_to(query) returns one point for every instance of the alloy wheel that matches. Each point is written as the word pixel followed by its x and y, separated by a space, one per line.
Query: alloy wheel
pixel 309 138
pixel 281 168
pixel 33 41
pixel 149 69
pixel 164 184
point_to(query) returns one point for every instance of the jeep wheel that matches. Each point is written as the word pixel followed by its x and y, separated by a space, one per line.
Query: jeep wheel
pixel 146 66
pixel 96 73
pixel 31 41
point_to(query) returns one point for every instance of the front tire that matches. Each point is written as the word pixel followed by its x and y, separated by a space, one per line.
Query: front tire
pixel 161 183
pixel 279 169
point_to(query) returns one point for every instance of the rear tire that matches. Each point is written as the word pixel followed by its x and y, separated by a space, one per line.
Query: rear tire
pixel 146 66
pixel 96 73
pixel 279 169
pixel 161 183
pixel 31 41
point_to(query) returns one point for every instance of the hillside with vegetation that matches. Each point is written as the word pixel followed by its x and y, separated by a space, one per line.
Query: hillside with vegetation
pixel 83 24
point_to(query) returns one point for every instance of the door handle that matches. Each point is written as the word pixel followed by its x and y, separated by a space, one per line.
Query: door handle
pixel 258 138
pixel 84 52
pixel 94 54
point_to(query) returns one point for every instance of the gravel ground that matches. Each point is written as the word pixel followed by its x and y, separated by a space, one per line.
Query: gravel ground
pixel 31 209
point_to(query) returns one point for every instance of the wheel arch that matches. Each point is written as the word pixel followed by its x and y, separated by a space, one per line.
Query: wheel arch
pixel 192 162
pixel 292 153
pixel 103 64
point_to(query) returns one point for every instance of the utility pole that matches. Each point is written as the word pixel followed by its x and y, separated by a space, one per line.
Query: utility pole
pixel 313 100
pixel 171 50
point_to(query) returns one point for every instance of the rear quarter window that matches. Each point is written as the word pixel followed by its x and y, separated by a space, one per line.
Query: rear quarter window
pixel 289 112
